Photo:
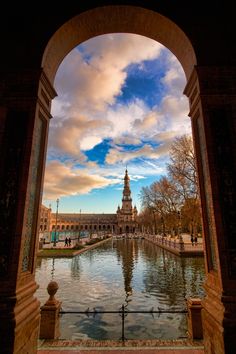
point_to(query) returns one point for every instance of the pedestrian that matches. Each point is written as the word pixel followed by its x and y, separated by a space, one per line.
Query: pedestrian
pixel 69 240
pixel 192 239
pixel 66 241
pixel 195 240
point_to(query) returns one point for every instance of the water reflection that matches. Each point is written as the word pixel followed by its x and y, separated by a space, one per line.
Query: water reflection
pixel 171 279
pixel 131 272
pixel 127 253
pixel 76 268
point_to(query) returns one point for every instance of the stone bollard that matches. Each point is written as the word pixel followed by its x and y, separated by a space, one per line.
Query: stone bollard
pixel 194 318
pixel 49 325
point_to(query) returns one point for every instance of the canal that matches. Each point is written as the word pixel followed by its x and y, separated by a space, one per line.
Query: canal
pixel 135 273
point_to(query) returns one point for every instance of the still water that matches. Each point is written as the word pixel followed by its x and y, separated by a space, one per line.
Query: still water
pixel 131 272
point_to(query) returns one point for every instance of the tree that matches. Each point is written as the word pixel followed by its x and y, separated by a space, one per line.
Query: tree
pixel 183 173
pixel 176 195
pixel 182 167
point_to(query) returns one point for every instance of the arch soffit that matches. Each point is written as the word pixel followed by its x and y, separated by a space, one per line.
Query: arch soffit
pixel 117 19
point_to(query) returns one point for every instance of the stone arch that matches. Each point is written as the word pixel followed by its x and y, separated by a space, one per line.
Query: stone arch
pixel 113 19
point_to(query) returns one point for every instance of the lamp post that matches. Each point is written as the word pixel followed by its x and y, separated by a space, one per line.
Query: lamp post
pixel 155 223
pixel 181 241
pixel 163 226
pixel 79 225
pixel 179 226
pixel 55 234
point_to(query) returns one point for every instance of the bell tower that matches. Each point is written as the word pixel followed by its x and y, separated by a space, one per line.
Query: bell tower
pixel 126 200
pixel 127 215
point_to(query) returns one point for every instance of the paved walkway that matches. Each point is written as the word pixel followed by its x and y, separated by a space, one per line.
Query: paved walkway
pixel 112 347
pixel 183 248
pixel 125 351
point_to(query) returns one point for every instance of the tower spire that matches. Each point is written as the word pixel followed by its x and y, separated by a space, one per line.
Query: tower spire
pixel 126 190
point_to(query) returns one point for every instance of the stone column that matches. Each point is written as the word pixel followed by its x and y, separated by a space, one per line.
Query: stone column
pixel 24 118
pixel 212 95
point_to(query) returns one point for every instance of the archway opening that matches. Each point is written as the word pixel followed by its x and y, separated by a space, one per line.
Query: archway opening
pixel 186 56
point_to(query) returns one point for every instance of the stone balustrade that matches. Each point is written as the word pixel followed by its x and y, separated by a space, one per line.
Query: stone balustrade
pixel 176 245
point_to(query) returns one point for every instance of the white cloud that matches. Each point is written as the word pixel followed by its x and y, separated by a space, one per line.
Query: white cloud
pixel 87 143
pixel 127 140
pixel 97 81
pixel 76 133
pixel 64 180
pixel 118 154
pixel 149 122
pixel 174 77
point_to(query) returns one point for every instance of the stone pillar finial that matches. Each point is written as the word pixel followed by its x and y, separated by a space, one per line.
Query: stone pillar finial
pixel 52 289
pixel 49 326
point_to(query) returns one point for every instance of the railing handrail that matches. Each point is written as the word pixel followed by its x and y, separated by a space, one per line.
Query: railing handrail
pixel 120 311
pixel 123 311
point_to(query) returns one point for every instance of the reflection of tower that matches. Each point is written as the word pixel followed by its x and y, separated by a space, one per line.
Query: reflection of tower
pixel 53 268
pixel 127 215
pixel 127 253
pixel 75 268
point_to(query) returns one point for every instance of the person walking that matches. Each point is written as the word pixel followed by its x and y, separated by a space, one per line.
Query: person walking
pixel 69 241
pixel 192 239
pixel 66 242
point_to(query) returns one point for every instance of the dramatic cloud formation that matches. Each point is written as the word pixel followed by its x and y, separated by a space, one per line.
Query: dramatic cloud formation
pixel 64 180
pixel 119 154
pixel 119 102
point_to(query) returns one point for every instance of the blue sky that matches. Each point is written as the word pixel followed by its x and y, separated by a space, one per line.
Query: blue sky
pixel 119 103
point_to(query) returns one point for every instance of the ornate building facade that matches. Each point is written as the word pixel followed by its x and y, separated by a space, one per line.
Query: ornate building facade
pixel 75 224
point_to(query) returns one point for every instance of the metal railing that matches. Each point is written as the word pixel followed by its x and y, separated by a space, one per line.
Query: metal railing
pixel 174 244
pixel 123 312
